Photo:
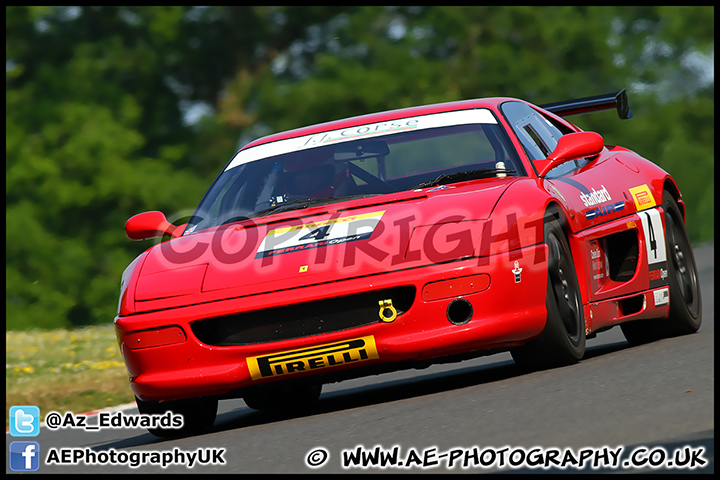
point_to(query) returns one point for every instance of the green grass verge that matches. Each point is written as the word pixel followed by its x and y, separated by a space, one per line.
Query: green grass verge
pixel 65 370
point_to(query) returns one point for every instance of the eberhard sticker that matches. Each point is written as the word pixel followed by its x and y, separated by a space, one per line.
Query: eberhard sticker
pixel 643 197
pixel 310 235
pixel 312 358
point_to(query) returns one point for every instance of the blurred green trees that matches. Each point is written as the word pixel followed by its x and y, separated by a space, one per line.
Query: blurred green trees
pixel 111 111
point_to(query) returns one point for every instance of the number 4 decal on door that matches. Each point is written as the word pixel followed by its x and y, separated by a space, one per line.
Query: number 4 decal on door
pixel 654 235
pixel 655 247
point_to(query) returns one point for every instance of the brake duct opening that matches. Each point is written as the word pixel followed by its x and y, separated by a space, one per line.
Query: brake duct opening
pixel 459 311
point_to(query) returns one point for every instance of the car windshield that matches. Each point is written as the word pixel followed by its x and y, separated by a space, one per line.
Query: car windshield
pixel 362 161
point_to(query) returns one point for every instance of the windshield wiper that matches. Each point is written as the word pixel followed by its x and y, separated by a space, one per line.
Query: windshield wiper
pixel 461 176
pixel 281 207
pixel 299 203
pixel 305 203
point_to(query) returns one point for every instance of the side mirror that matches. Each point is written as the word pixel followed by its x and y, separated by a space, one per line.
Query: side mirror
pixel 571 147
pixel 150 225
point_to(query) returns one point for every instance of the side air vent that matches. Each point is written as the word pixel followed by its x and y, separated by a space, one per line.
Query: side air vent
pixel 631 305
pixel 622 254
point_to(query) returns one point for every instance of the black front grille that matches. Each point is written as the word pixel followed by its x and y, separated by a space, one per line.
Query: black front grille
pixel 301 319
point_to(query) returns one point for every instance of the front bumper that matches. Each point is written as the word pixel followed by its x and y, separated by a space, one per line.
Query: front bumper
pixel 166 360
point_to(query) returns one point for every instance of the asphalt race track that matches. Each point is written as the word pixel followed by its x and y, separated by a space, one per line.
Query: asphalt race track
pixel 655 402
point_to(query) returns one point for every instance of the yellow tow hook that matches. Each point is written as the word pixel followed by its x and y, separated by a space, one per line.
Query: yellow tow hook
pixel 387 311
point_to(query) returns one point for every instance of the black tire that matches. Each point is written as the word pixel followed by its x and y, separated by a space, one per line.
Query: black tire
pixel 562 342
pixel 685 301
pixel 198 415
pixel 282 398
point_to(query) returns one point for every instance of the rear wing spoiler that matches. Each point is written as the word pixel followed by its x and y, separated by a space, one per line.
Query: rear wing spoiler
pixel 578 106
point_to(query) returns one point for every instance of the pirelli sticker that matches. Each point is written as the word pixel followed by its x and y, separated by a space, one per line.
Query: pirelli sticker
pixel 333 231
pixel 313 358
pixel 643 197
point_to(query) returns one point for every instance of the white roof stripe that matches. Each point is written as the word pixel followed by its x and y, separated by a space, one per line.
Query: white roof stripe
pixel 460 117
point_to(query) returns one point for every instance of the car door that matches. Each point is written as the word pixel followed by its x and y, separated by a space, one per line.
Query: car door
pixel 620 245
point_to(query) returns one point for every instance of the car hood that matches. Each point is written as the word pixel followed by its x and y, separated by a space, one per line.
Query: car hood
pixel 319 245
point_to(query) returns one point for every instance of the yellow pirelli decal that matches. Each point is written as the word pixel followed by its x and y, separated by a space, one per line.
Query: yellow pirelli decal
pixel 643 197
pixel 313 358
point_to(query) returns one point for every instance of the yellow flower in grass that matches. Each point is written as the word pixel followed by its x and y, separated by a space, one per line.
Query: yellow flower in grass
pixel 106 364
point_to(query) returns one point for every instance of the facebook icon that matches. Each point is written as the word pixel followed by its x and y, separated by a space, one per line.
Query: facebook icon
pixel 24 456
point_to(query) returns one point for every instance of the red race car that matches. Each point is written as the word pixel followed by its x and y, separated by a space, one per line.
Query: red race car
pixel 400 239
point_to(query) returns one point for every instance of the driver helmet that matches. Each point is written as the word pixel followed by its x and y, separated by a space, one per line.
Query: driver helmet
pixel 313 176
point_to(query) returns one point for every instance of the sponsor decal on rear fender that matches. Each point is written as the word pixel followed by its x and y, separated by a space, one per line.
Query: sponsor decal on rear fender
pixel 313 358
pixel 643 197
